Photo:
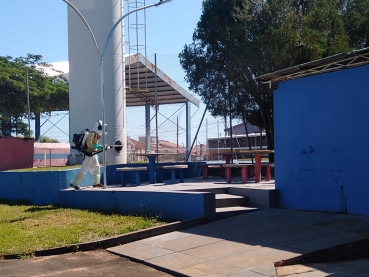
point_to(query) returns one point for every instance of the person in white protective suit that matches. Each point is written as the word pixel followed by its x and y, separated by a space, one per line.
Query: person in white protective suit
pixel 90 160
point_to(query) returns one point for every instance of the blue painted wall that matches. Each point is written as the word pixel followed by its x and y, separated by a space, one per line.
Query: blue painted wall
pixel 41 187
pixel 38 187
pixel 320 142
pixel 48 187
pixel 168 205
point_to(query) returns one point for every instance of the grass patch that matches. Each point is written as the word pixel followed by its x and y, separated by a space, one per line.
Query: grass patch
pixel 25 228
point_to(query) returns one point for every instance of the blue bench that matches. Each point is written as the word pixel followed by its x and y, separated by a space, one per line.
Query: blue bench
pixel 135 174
pixel 173 169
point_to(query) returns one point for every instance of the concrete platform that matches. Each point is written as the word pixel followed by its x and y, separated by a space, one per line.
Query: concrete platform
pixel 265 242
pixel 262 194
pixel 192 199
pixel 196 184
pixel 252 245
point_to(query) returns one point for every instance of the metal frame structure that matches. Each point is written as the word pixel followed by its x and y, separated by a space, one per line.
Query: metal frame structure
pixel 333 63
pixel 161 89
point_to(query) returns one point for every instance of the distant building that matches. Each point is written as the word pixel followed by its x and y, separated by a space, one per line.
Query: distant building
pixel 240 140
pixel 172 151
pixel 239 129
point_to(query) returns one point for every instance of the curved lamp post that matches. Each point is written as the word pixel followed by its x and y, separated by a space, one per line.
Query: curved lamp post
pixel 101 59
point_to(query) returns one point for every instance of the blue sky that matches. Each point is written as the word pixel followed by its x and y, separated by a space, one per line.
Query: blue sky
pixel 40 27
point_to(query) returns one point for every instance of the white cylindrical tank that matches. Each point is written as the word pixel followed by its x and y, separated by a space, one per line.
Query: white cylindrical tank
pixel 85 103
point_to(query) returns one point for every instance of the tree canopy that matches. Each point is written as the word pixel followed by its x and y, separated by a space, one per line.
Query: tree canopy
pixel 236 40
pixel 46 93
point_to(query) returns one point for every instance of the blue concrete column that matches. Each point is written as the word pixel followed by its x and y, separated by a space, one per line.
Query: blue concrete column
pixel 152 169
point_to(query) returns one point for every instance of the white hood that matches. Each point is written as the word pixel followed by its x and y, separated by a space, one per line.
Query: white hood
pixel 98 127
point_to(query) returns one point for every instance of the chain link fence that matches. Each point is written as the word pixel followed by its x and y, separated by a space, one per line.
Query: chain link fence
pixel 17 115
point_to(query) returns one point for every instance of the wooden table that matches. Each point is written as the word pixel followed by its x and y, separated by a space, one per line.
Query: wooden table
pixel 227 156
pixel 257 153
pixel 152 167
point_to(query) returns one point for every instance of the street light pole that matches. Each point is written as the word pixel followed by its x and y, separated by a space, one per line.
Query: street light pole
pixel 101 60
pixel 28 104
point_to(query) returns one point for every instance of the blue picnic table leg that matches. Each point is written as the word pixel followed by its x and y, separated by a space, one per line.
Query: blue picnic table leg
pixel 159 175
pixel 123 178
pixel 152 170
pixel 173 176
pixel 181 175
pixel 136 176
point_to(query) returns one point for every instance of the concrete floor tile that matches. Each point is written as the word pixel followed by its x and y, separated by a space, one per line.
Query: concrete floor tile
pixel 264 235
pixel 341 222
pixel 299 240
pixel 222 226
pixel 258 256
pixel 316 240
pixel 176 261
pixel 157 240
pixel 139 251
pixel 299 271
pixel 360 265
pixel 248 245
pixel 317 270
pixel 187 242
pixel 210 269
pixel 266 270
pixel 219 250
pixel 281 235
pixel 287 217
pixel 241 228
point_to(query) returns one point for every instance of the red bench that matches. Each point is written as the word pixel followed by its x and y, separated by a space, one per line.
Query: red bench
pixel 268 166
pixel 206 166
pixel 228 168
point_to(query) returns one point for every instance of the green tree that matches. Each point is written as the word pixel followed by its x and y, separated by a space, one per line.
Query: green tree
pixel 46 93
pixel 47 139
pixel 215 63
pixel 236 40
pixel 356 19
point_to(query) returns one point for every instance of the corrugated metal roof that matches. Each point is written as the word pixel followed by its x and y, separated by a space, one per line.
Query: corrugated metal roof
pixel 143 87
pixel 143 92
pixel 333 63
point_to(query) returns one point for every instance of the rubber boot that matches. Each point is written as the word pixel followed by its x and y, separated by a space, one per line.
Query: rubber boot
pixel 78 179
pixel 96 182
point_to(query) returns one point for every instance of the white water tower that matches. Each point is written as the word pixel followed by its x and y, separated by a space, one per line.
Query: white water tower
pixel 85 101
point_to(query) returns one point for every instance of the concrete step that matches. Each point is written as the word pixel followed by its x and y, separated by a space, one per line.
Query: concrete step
pixel 223 200
pixel 233 211
pixel 213 190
